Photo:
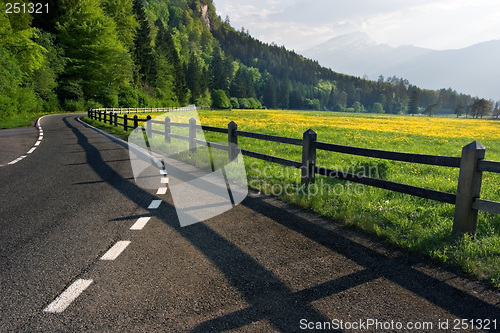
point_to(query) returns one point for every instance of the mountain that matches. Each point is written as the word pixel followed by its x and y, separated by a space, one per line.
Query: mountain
pixel 473 70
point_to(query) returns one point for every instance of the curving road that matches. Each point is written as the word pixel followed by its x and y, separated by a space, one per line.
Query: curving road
pixel 80 250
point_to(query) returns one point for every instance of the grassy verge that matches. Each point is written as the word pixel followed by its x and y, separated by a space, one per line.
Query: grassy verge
pixel 21 120
pixel 117 131
pixel 418 225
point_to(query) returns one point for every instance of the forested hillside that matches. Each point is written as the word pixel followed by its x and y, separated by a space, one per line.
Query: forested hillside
pixel 77 54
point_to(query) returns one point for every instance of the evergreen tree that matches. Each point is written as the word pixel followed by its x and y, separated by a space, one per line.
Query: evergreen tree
pixel 239 85
pixel 194 78
pixel 144 55
pixel 270 96
pixel 220 71
pixel 284 94
pixel 413 105
pixel 165 47
pixel 331 100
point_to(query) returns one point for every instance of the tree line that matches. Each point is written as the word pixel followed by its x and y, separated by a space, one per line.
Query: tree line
pixel 153 53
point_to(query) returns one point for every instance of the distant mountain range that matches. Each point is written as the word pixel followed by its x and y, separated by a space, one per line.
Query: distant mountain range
pixel 473 70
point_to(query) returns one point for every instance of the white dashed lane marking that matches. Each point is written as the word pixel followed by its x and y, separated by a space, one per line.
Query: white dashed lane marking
pixel 162 190
pixel 68 296
pixel 141 223
pixel 154 204
pixel 115 251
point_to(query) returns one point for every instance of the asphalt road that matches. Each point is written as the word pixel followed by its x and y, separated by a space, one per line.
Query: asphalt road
pixel 260 267
pixel 15 143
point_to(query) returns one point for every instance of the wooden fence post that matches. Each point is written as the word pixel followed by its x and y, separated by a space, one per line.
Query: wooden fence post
pixel 115 120
pixel 148 127
pixel 136 121
pixel 125 125
pixel 469 188
pixel 192 134
pixel 100 116
pixel 232 140
pixel 167 130
pixel 308 157
pixel 105 115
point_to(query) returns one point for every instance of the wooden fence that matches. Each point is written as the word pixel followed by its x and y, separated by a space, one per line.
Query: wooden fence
pixel 471 164
pixel 146 110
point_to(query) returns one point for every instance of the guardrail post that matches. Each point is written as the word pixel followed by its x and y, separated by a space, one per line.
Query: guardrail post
pixel 308 157
pixel 136 121
pixel 167 130
pixel 469 188
pixel 192 134
pixel 232 141
pixel 148 127
pixel 125 125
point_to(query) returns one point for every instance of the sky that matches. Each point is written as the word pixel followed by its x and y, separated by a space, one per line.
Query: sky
pixel 303 24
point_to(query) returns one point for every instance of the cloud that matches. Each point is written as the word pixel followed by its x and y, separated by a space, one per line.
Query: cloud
pixel 302 24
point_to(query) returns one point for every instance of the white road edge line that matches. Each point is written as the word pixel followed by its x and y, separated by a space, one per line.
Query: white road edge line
pixel 68 296
pixel 164 180
pixel 115 250
pixel 33 148
pixel 141 223
pixel 154 204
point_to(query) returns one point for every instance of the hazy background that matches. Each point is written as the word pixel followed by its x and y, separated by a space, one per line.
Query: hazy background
pixel 300 25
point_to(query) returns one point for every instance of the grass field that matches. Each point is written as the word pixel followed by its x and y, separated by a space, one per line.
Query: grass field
pixel 418 225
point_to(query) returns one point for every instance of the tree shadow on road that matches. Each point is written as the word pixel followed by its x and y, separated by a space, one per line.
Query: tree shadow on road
pixel 268 297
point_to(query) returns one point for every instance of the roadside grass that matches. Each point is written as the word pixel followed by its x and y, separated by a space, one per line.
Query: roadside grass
pixel 20 120
pixel 418 225
pixel 117 131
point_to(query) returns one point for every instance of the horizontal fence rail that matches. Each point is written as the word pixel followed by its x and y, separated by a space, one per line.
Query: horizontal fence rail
pixel 267 137
pixel 388 185
pixel 147 110
pixel 445 161
pixel 489 166
pixel 471 163
pixel 273 159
